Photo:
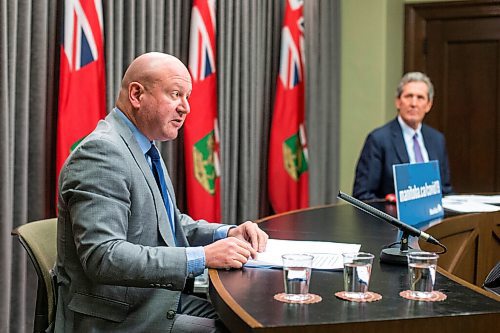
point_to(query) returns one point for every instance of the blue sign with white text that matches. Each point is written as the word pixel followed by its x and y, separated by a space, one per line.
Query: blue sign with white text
pixel 418 192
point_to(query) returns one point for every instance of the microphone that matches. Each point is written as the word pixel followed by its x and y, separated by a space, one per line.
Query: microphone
pixel 398 256
pixel 388 218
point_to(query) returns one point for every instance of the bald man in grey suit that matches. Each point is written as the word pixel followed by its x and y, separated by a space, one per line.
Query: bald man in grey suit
pixel 121 265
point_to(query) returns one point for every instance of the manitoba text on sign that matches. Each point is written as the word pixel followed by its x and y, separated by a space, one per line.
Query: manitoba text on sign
pixel 418 192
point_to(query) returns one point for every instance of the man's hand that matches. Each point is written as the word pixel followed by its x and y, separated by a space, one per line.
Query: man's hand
pixel 251 233
pixel 230 252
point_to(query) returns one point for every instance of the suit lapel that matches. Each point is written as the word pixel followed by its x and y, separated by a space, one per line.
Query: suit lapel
pixel 399 142
pixel 137 155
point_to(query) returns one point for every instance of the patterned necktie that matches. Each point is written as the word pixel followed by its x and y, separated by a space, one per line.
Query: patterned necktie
pixel 416 149
pixel 160 181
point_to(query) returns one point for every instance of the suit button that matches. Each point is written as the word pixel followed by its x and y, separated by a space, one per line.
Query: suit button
pixel 170 314
pixel 169 286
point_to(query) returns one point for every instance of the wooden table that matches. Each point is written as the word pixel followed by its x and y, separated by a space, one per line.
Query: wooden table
pixel 244 298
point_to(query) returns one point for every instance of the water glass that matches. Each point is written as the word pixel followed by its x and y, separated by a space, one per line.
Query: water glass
pixel 357 271
pixel 422 271
pixel 296 276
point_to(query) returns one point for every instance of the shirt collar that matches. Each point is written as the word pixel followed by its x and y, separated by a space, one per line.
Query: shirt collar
pixel 407 130
pixel 141 139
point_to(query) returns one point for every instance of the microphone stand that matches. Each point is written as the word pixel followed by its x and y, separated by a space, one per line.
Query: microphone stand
pixel 394 255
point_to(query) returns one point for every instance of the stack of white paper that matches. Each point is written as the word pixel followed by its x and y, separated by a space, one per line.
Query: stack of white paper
pixel 327 255
pixel 471 203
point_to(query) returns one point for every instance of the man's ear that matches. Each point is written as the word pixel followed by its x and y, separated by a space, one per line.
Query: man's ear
pixel 397 103
pixel 135 91
pixel 428 107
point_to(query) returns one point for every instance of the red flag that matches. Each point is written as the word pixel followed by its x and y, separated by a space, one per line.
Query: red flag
pixel 200 128
pixel 288 169
pixel 82 90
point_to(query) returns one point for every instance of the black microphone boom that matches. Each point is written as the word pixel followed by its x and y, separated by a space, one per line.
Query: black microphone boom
pixel 388 218
pixel 390 254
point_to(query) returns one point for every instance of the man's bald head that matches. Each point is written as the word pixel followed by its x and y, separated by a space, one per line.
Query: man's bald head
pixel 148 69
pixel 154 95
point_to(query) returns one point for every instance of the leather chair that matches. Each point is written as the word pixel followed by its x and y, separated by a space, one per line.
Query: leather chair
pixel 39 240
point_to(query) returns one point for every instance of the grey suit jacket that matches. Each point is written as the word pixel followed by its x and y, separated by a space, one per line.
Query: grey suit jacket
pixel 385 147
pixel 118 268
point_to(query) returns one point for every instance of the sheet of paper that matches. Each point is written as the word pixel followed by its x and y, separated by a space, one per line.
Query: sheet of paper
pixel 465 204
pixel 327 255
pixel 487 199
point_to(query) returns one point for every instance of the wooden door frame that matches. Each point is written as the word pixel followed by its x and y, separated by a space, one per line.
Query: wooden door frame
pixel 416 16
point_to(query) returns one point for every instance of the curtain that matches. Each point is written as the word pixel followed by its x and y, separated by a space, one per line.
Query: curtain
pixel 248 37
pixel 322 38
pixel 27 61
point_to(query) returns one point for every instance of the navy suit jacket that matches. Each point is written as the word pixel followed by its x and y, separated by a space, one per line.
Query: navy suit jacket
pixel 385 147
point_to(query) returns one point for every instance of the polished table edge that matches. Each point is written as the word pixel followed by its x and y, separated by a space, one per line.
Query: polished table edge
pixel 264 219
pixel 468 284
pixel 216 283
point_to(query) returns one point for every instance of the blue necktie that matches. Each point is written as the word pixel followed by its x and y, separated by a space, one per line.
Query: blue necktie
pixel 160 181
pixel 416 149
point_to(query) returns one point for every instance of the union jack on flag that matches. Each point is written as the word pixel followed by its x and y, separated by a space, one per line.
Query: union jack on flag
pixel 202 40
pixel 288 168
pixel 79 43
pixel 201 137
pixel 291 70
pixel 82 90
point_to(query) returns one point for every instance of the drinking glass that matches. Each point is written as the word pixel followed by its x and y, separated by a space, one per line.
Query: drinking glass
pixel 357 271
pixel 296 276
pixel 422 271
